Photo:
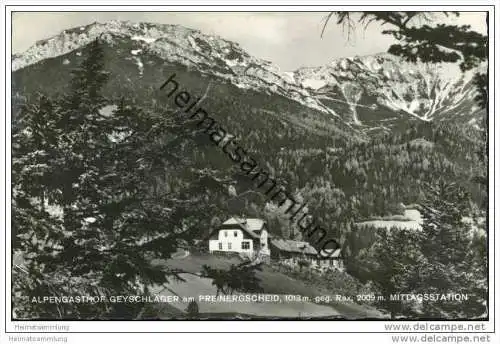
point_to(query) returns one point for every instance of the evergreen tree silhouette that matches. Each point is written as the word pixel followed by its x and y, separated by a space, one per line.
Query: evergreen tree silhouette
pixel 426 43
pixel 96 160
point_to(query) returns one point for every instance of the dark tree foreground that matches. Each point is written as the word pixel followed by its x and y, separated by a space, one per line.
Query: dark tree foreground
pixel 87 216
pixel 239 278
pixel 427 43
pixel 448 256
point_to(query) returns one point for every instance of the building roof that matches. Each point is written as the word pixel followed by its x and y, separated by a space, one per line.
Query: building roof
pixel 251 226
pixel 234 221
pixel 294 246
pixel 255 224
pixel 304 247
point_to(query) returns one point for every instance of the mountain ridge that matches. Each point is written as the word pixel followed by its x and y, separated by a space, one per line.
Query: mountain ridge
pixel 419 90
pixel 351 88
pixel 176 43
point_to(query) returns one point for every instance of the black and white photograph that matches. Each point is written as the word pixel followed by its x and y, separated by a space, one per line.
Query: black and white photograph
pixel 249 165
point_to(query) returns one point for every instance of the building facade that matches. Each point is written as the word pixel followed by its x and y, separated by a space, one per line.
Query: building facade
pixel 248 237
pixel 291 252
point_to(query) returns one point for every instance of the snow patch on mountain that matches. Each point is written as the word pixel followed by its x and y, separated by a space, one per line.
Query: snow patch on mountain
pixel 289 77
pixel 143 38
pixel 140 65
pixel 233 63
pixel 313 83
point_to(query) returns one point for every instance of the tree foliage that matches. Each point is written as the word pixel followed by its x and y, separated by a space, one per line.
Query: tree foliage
pixel 452 265
pixel 89 215
pixel 427 43
pixel 241 278
pixel 447 257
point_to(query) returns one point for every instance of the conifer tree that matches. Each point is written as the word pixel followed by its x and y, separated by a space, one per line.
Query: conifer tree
pixel 451 266
pixel 33 153
pixel 394 262
pixel 105 159
pixel 440 43
pixel 34 156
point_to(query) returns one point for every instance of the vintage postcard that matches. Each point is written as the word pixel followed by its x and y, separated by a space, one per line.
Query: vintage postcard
pixel 237 164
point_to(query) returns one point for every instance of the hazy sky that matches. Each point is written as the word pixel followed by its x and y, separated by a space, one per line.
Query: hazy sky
pixel 290 39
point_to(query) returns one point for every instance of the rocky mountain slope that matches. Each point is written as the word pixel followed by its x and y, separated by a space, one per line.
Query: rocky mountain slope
pixel 174 43
pixel 249 97
pixel 309 128
pixel 369 93
pixel 382 89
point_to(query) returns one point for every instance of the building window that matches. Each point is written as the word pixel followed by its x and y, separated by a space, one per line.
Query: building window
pixel 225 233
pixel 245 245
pixel 235 233
pixel 229 246
pixel 220 246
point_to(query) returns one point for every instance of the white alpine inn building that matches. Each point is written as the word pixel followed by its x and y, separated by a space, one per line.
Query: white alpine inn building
pixel 249 237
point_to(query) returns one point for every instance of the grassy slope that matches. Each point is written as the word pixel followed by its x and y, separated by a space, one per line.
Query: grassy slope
pixel 273 282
